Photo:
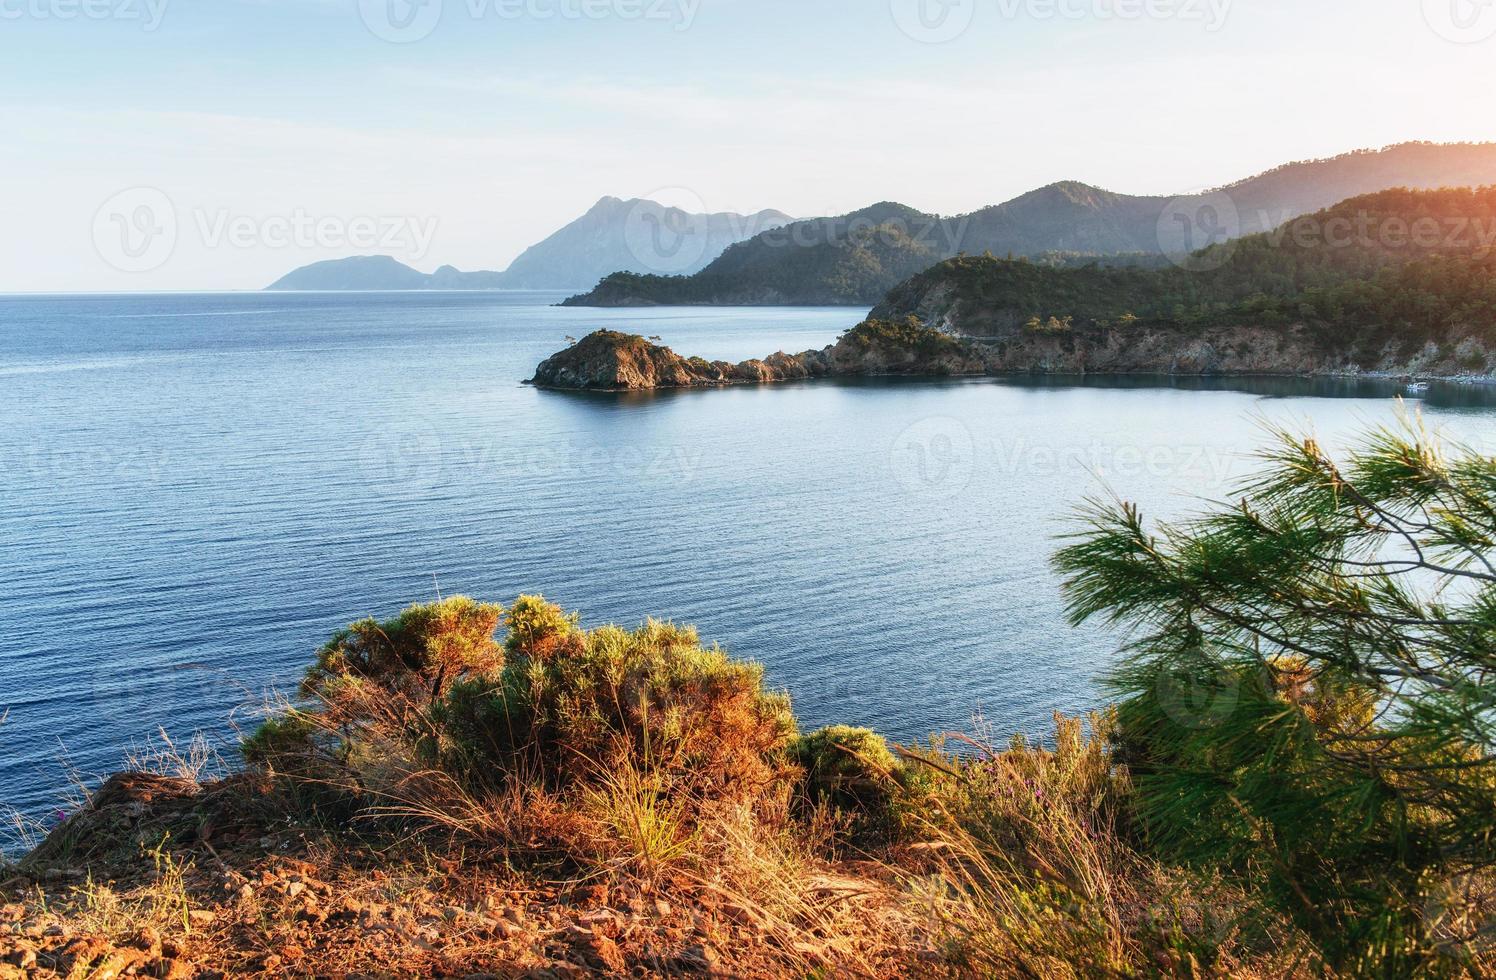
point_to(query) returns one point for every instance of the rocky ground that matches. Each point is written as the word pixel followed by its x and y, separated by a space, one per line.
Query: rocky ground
pixel 159 877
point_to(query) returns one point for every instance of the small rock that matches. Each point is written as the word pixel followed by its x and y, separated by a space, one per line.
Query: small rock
pixel 176 969
pixel 697 959
pixel 201 917
pixel 604 952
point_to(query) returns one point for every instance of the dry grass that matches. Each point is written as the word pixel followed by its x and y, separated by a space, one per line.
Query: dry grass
pixel 617 802
pixel 1027 869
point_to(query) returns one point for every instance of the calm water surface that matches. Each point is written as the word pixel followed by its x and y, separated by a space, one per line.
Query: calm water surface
pixel 195 490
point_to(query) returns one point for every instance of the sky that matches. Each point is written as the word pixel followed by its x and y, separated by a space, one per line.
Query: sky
pixel 239 139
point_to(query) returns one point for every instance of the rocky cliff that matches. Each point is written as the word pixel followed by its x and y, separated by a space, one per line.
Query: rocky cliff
pixel 611 361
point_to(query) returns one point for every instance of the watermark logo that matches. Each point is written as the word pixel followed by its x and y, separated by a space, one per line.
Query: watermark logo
pixel 302 229
pixel 136 230
pixel 148 13
pixel 404 456
pixel 407 21
pixel 400 21
pixel 1196 232
pixel 143 699
pixel 1445 233
pixel 1461 21
pixel 939 21
pixel 934 457
pixel 894 230
pixel 1198 695
pixel 668 240
pixel 933 21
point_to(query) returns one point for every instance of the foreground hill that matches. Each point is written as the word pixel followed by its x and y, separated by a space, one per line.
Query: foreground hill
pixel 634 235
pixel 467 790
pixel 855 258
pixel 1400 281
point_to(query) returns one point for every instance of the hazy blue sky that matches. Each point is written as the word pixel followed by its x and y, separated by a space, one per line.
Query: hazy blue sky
pixel 273 126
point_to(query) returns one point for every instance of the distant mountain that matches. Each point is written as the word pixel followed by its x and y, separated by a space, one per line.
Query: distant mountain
pixel 637 236
pixel 856 258
pixel 633 236
pixel 359 272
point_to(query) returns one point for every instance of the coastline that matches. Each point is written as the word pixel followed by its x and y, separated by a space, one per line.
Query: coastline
pixel 612 362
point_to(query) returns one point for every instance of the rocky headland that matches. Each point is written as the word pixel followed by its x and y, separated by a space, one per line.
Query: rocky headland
pixel 612 361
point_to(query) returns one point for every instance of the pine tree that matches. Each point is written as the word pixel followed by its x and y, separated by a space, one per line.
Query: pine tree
pixel 1309 701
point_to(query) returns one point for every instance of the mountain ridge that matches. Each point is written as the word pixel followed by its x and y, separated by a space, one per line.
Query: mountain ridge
pixel 1065 222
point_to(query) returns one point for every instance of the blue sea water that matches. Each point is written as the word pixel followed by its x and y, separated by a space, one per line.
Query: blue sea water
pixel 196 490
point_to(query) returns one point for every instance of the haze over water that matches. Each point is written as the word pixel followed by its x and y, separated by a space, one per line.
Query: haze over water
pixel 196 490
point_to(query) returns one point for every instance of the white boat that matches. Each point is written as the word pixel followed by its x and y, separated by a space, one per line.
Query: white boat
pixel 1417 388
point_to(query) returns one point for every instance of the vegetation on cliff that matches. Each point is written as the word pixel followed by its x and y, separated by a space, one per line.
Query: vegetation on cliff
pixel 1298 780
pixel 1373 281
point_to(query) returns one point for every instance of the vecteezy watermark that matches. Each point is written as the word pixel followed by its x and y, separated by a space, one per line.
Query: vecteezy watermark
pixel 407 21
pixel 142 700
pixel 400 21
pixel 417 456
pixel 939 21
pixel 301 229
pixel 148 13
pixel 668 239
pixel 115 465
pixel 404 455
pixel 940 234
pixel 1198 695
pixel 939 457
pixel 934 457
pixel 1195 232
pixel 669 232
pixel 1461 21
pixel 933 21
pixel 137 230
pixel 1445 233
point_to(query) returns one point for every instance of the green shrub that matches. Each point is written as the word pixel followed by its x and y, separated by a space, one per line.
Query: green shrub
pixel 571 705
pixel 279 738
pixel 425 646
pixel 850 770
